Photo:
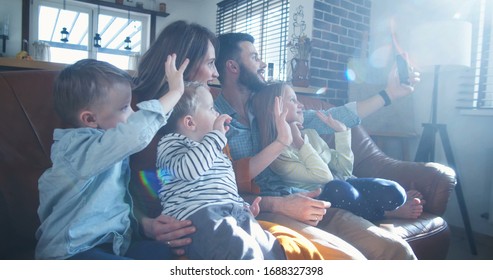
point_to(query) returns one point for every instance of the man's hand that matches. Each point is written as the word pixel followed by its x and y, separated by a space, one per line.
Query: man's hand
pixel 303 207
pixel 169 230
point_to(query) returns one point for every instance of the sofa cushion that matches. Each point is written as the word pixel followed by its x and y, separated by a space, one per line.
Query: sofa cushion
pixel 27 134
pixel 428 231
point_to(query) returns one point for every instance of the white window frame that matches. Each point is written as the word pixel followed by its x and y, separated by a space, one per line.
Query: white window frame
pixel 92 10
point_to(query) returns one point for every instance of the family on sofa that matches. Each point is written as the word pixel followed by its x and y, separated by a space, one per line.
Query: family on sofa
pixel 296 223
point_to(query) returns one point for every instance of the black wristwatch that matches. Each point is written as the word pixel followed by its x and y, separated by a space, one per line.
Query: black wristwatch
pixel 385 97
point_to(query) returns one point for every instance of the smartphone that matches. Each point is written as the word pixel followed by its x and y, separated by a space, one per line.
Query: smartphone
pixel 402 69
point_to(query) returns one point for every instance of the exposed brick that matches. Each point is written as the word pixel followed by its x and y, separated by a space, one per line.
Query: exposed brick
pixel 333 2
pixel 325 73
pixel 321 25
pixel 338 84
pixel 329 36
pixel 354 34
pixel 348 5
pixel 331 92
pixel 329 55
pixel 316 52
pixel 322 6
pixel 347 23
pixel 331 18
pixel 362 27
pixel 317 43
pixel 338 48
pixel 320 63
pixel 337 66
pixel 355 17
pixel 340 12
pixel 363 11
pixel 359 2
pixel 346 41
pixel 344 58
pixel 366 20
pixel 314 72
pixel 317 82
pixel 338 28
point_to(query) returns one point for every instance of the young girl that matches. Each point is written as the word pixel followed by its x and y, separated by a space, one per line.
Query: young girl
pixel 309 163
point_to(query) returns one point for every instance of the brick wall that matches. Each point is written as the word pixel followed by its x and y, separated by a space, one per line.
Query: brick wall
pixel 340 31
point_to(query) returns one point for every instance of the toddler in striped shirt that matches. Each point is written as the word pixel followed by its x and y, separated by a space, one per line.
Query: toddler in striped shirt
pixel 201 185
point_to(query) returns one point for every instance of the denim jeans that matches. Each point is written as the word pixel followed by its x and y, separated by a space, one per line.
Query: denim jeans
pixel 138 250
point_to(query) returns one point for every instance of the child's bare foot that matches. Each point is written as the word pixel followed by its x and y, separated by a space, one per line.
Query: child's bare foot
pixel 411 209
pixel 415 194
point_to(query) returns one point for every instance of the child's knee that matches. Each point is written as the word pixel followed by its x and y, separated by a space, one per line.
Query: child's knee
pixel 339 190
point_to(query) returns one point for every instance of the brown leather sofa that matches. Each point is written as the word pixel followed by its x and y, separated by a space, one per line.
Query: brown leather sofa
pixel 26 128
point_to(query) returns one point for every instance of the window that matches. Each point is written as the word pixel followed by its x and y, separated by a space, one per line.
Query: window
pixel 477 89
pixel 266 21
pixel 123 34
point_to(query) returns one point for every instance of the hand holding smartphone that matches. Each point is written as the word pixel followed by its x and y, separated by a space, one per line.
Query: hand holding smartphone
pixel 402 69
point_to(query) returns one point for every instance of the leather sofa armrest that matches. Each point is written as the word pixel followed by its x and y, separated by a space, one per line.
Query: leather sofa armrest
pixel 435 181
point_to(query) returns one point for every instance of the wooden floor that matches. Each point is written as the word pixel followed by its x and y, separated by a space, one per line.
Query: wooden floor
pixel 460 249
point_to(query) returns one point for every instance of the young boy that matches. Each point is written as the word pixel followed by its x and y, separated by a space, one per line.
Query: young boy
pixel 85 209
pixel 201 186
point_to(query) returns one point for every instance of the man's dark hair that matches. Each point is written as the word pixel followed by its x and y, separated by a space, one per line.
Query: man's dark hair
pixel 82 84
pixel 229 49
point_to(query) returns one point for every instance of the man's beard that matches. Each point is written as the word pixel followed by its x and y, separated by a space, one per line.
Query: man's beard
pixel 250 79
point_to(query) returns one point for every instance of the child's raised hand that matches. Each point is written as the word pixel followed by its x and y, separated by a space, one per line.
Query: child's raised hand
pixel 298 137
pixel 283 130
pixel 331 122
pixel 221 123
pixel 175 76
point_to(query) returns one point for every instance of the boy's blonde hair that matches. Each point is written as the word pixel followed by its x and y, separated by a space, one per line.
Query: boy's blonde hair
pixel 83 84
pixel 186 105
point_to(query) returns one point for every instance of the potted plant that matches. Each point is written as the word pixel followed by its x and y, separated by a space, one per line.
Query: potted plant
pixel 301 47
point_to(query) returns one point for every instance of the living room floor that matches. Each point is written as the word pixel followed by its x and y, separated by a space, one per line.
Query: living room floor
pixel 460 250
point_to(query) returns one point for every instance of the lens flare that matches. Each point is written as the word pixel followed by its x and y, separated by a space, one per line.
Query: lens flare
pixel 152 180
pixel 350 75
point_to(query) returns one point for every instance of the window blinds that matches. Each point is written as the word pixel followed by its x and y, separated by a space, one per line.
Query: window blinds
pixel 476 89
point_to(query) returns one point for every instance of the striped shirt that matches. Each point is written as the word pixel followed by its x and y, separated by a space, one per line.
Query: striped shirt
pixel 200 174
